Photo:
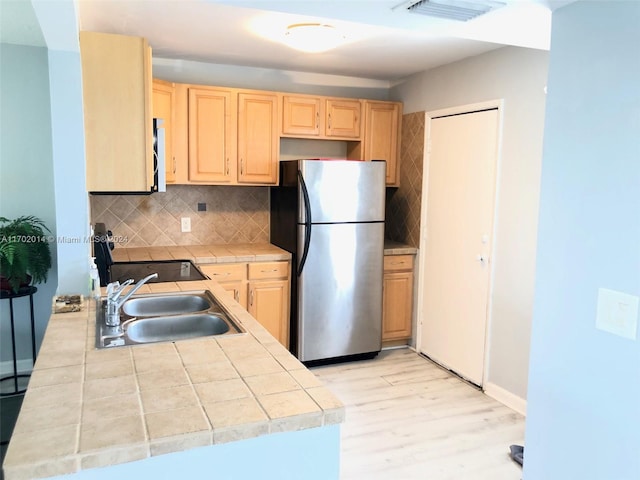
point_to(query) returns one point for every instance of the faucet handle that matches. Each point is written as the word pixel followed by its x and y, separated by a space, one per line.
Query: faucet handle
pixel 115 289
pixel 111 287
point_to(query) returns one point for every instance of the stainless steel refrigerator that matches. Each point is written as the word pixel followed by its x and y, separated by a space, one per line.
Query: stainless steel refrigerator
pixel 330 215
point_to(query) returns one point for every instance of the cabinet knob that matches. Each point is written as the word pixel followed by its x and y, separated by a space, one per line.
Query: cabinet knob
pixel 241 166
pixel 251 298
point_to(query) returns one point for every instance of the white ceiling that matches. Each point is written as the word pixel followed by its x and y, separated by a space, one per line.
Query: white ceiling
pixel 386 42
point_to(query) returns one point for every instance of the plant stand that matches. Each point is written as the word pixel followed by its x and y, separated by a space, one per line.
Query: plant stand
pixel 5 294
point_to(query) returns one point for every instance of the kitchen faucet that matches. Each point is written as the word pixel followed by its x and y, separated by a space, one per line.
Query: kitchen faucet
pixel 114 302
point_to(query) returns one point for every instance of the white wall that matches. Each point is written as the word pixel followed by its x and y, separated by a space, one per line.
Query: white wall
pixel 26 178
pixel 309 454
pixel 518 76
pixel 187 71
pixel 42 166
pixel 584 385
pixel 59 25
pixel 72 210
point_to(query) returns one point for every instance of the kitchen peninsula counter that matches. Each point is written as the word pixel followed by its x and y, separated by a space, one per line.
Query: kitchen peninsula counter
pixel 87 409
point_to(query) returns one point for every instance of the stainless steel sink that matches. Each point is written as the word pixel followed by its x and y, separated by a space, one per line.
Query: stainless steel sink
pixel 175 327
pixel 155 305
pixel 165 317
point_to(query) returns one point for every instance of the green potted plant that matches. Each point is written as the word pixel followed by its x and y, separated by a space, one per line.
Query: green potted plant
pixel 25 255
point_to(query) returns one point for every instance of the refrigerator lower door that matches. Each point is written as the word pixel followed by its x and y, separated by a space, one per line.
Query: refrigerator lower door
pixel 340 291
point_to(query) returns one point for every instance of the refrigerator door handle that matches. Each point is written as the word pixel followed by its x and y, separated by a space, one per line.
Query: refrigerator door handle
pixel 307 222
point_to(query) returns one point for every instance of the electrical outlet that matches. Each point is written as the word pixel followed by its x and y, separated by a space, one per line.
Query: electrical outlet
pixel 185 224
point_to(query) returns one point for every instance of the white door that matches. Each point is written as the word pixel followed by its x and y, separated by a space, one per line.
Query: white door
pixel 457 240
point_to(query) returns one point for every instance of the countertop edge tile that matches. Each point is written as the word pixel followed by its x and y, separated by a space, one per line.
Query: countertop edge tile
pixel 64 466
pixel 180 443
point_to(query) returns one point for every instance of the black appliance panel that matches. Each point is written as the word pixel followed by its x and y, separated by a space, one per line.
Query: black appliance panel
pixel 167 270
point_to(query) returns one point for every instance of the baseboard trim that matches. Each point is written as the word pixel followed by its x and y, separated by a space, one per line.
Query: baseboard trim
pixel 25 366
pixel 506 398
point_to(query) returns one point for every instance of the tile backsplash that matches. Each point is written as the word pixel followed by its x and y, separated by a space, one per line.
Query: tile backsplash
pixel 404 202
pixel 233 215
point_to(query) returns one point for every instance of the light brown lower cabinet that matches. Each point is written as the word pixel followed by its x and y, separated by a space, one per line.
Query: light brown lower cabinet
pixel 260 287
pixel 231 276
pixel 397 303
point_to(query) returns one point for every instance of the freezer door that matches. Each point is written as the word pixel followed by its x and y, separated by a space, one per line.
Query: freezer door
pixel 340 291
pixel 341 191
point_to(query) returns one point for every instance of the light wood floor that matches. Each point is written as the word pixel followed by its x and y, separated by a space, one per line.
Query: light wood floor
pixel 406 418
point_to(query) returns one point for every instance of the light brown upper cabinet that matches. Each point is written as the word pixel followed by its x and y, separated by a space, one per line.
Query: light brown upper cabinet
pixel 258 138
pixel 232 137
pixel 116 90
pixel 301 115
pixel 381 136
pixel 343 118
pixel 309 116
pixel 163 108
pixel 212 135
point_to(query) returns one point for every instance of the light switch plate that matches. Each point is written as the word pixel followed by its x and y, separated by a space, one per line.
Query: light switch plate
pixel 617 313
pixel 185 223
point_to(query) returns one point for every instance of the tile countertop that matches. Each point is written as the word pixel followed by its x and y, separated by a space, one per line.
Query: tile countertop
pixel 203 254
pixel 396 248
pixel 245 252
pixel 87 408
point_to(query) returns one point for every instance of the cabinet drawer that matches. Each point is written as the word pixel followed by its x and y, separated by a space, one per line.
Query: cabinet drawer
pixel 259 271
pixel 225 272
pixel 394 263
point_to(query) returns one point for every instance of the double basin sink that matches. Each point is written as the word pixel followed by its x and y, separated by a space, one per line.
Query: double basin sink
pixel 165 317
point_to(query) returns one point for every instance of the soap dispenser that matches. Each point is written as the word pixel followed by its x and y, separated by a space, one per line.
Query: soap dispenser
pixel 94 279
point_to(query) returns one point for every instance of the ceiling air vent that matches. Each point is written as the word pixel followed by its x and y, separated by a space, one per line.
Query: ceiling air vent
pixel 452 9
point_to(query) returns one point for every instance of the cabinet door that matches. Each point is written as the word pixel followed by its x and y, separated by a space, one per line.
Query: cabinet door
pixel 269 297
pixel 163 107
pixel 397 304
pixel 301 115
pixel 116 91
pixel 269 304
pixel 212 135
pixel 232 277
pixel 258 138
pixel 238 291
pixel 381 133
pixel 397 300
pixel 343 118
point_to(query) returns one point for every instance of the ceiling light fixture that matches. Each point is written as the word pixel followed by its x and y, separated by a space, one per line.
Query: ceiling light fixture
pixel 313 37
